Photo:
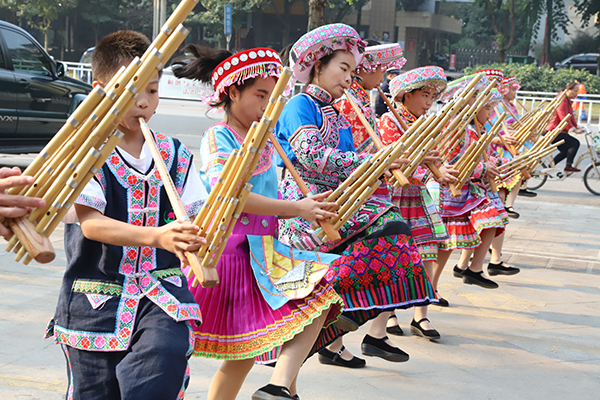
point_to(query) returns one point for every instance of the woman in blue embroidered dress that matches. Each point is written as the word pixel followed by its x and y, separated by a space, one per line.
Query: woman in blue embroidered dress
pixel 382 269
pixel 247 314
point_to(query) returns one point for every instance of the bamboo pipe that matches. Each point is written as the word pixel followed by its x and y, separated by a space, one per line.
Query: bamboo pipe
pixel 325 224
pixel 432 167
pixel 208 277
pixel 398 175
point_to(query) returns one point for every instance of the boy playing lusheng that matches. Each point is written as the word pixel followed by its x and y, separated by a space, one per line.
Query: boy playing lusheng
pixel 124 311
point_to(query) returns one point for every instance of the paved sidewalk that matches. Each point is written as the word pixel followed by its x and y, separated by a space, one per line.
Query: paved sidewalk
pixel 536 337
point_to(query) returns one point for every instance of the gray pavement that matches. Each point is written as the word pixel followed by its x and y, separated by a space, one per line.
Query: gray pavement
pixel 536 337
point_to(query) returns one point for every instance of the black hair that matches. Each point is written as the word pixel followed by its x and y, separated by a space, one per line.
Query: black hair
pixel 372 42
pixel 571 85
pixel 201 66
pixel 115 49
pixel 284 54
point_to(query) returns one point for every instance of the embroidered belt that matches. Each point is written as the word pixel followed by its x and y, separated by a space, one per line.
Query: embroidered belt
pixel 114 289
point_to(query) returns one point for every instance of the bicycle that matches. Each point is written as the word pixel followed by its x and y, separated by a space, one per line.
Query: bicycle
pixel 591 176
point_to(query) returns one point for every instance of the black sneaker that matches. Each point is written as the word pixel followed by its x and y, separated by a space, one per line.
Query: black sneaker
pixel 272 392
pixel 527 193
pixel 379 348
pixel 457 272
pixel 512 213
pixel 501 269
pixel 477 278
pixel 330 358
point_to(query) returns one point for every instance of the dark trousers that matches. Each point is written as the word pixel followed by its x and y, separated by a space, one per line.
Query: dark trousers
pixel 153 368
pixel 566 150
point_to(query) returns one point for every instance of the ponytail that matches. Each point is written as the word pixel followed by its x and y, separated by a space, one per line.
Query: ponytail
pixel 202 65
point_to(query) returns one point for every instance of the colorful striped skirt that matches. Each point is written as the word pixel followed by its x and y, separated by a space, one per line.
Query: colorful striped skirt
pixel 238 323
pixel 465 222
pixel 421 214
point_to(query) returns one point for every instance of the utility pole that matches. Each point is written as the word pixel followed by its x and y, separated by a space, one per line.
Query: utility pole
pixel 160 16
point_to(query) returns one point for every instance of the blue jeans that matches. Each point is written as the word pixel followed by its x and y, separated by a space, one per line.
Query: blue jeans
pixel 154 367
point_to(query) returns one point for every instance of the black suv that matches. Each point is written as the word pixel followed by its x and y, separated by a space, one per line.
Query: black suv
pixel 35 95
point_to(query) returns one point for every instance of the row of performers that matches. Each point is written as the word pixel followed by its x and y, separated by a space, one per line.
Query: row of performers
pixel 284 293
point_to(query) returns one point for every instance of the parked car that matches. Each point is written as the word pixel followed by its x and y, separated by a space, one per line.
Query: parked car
pixel 36 97
pixel 588 61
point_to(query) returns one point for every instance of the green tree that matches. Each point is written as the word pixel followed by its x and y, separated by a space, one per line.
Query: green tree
pixel 212 19
pixel 589 9
pixel 39 13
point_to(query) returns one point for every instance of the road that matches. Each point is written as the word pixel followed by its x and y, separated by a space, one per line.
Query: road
pixel 536 337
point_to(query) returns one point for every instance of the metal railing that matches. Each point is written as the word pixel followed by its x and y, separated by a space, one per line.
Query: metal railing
pixel 80 71
pixel 590 103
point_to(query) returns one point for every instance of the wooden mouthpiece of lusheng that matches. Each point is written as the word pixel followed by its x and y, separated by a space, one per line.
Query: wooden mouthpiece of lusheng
pixel 456 191
pixel 36 244
pixel 363 120
pixel 208 277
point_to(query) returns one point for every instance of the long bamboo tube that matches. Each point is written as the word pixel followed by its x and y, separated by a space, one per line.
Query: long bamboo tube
pixel 207 276
pixel 68 182
pixel 398 175
pixel 432 167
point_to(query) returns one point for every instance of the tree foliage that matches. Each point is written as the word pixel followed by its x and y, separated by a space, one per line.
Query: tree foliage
pixel 544 79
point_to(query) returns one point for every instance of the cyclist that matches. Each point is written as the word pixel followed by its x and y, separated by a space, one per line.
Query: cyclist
pixel 569 148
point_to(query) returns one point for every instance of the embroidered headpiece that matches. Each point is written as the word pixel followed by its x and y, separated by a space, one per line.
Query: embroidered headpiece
pixel 493 73
pixel 507 83
pixel 419 78
pixel 321 42
pixel 242 66
pixel 457 86
pixel 384 57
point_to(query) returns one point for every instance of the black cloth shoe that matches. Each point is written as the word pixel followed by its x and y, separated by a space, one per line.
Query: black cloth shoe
pixel 457 272
pixel 394 330
pixel 272 392
pixel 477 278
pixel 501 269
pixel 379 348
pixel 527 193
pixel 512 213
pixel 442 302
pixel 331 358
pixel 296 397
pixel 417 330
pixel 345 323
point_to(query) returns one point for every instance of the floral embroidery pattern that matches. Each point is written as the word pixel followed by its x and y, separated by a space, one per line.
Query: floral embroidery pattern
pixel 137 263
pixel 419 78
pixel 362 140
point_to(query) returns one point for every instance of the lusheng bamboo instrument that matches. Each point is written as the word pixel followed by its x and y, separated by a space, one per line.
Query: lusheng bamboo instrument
pixel 432 167
pixel 227 198
pixel 526 161
pixel 208 276
pixel 415 144
pixel 399 176
pixel 486 156
pixel 325 224
pixel 82 145
pixel 472 156
pixel 457 128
